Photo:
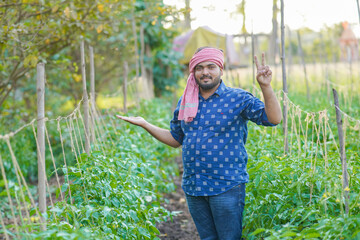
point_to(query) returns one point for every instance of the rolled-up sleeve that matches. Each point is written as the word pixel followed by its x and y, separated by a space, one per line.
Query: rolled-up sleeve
pixel 255 111
pixel 175 126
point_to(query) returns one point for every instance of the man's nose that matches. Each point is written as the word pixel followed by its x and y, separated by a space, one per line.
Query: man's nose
pixel 206 70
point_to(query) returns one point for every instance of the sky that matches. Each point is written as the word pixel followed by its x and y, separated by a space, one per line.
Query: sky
pixel 315 14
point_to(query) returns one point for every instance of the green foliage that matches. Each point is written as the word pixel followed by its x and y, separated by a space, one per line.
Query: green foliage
pixel 289 198
pixel 50 32
pixel 163 60
pixel 317 47
pixel 24 147
pixel 114 194
pixel 167 71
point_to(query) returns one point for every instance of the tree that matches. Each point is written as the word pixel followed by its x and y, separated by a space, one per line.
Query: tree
pixel 35 30
pixel 50 31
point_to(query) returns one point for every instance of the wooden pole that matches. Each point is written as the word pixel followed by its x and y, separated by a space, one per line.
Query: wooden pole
pixel 345 176
pixel 126 69
pixel 285 89
pixel 85 99
pixel 92 90
pixel 2 220
pixel 304 65
pixel 40 87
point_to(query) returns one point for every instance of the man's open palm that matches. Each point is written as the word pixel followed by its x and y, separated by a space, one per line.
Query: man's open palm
pixel 139 121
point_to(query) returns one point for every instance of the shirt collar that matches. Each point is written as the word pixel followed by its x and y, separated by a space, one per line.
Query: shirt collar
pixel 221 88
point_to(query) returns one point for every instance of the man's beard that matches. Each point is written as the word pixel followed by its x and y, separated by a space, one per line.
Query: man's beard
pixel 208 86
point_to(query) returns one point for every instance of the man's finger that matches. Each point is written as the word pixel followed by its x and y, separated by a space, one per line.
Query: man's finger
pixel 263 59
pixel 122 117
pixel 256 62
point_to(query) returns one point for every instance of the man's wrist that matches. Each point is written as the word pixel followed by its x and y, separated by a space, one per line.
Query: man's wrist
pixel 146 125
pixel 265 86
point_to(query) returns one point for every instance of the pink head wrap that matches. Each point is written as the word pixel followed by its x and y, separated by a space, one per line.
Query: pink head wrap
pixel 190 99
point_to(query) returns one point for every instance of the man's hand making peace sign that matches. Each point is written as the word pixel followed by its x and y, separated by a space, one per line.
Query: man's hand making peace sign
pixel 263 76
pixel 264 73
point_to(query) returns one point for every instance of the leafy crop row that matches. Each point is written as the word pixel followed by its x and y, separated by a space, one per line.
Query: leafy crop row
pixel 116 193
pixel 300 196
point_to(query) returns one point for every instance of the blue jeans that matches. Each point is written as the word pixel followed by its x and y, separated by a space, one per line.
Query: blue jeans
pixel 219 217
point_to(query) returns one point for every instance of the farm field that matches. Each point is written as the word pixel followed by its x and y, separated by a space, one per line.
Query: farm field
pixel 290 196
pixel 70 169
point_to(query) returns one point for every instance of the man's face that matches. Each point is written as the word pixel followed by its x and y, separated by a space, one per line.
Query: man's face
pixel 207 75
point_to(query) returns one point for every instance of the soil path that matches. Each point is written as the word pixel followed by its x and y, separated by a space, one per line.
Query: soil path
pixel 182 227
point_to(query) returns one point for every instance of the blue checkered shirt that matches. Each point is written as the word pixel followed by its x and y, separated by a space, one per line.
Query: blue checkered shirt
pixel 213 151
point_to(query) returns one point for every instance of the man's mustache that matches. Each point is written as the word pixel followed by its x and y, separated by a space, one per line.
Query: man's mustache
pixel 205 76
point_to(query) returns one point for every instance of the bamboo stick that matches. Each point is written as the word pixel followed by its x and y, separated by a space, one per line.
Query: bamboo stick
pixel 345 176
pixel 285 89
pixel 40 87
pixel 86 100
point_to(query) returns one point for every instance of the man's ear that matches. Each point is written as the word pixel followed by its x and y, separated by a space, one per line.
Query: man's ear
pixel 221 70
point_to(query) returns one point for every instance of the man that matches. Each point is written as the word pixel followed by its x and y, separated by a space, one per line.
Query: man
pixel 210 123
